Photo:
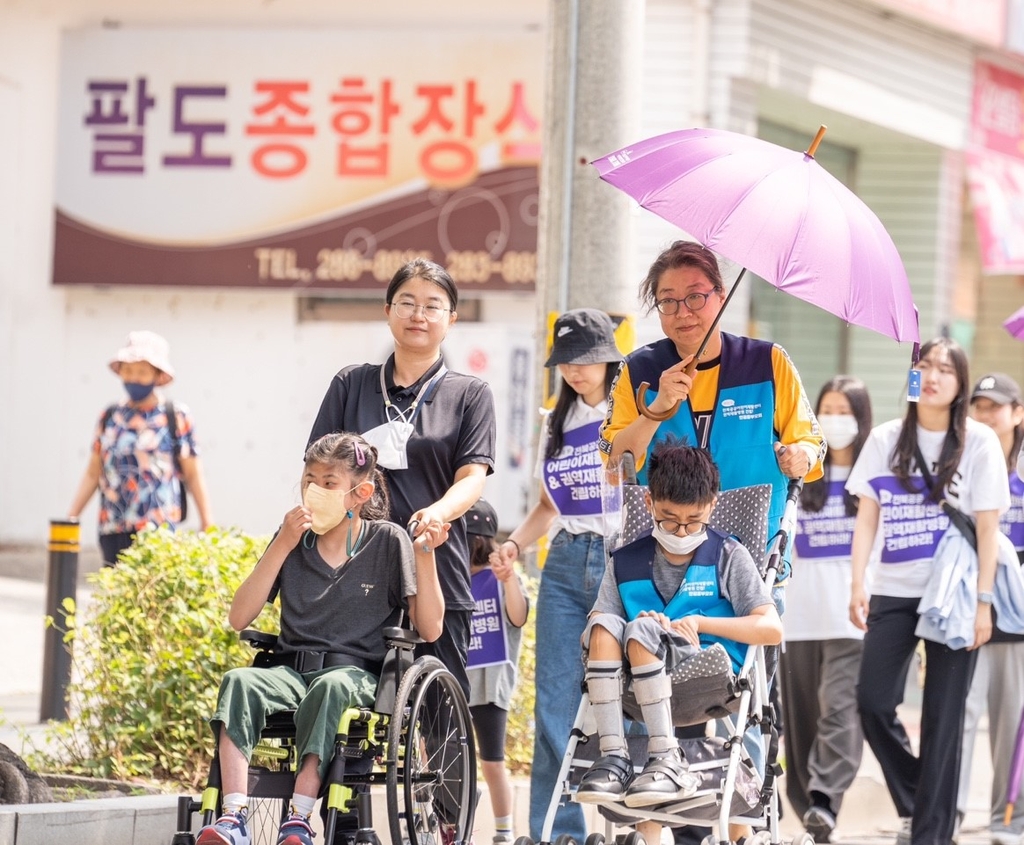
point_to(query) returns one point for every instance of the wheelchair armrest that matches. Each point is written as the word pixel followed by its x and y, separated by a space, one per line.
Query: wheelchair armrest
pixel 402 637
pixel 259 640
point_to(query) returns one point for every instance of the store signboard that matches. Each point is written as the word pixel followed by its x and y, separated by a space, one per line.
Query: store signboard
pixel 316 159
pixel 995 167
pixel 980 20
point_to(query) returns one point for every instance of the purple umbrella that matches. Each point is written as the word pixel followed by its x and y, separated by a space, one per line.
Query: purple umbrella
pixel 776 212
pixel 1014 324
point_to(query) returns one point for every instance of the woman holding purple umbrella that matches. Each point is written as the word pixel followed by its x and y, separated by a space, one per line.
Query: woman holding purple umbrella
pixel 744 401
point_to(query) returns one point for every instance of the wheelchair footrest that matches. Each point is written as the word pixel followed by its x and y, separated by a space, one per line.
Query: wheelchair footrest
pixel 264 783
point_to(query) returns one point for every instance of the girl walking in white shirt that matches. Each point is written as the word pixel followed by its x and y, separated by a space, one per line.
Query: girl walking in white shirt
pixel 968 471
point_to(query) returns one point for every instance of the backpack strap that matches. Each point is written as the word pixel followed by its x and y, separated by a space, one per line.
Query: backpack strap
pixel 172 428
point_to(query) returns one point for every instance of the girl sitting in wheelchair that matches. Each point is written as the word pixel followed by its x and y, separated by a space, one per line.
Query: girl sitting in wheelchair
pixel 716 595
pixel 342 573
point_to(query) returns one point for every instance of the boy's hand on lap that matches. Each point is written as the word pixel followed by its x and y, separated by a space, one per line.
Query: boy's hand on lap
pixel 688 628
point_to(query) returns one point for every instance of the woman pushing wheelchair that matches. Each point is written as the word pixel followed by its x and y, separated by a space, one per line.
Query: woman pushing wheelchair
pixel 343 573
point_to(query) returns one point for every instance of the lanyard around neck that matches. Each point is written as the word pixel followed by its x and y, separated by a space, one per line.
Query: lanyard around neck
pixel 409 414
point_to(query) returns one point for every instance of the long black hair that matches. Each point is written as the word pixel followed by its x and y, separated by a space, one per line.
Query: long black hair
pixel 904 455
pixel 563 404
pixel 815 493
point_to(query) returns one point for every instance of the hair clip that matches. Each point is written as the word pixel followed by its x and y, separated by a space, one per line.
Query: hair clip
pixel 360 454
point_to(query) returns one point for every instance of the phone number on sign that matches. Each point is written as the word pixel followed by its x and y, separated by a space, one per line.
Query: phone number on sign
pixel 281 264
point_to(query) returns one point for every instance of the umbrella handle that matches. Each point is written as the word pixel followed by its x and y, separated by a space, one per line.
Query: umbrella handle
pixel 641 405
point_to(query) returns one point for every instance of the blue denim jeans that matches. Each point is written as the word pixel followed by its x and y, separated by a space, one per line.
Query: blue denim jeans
pixel 568 589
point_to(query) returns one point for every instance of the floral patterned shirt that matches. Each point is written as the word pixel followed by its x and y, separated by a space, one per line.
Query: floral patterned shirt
pixel 139 483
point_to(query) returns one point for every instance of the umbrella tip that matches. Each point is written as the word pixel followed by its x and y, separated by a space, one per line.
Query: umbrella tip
pixel 813 148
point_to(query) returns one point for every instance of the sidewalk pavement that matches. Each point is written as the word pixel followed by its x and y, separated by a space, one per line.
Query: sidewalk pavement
pixel 867 816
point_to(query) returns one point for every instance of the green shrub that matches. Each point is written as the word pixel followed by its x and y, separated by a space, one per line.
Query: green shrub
pixel 149 656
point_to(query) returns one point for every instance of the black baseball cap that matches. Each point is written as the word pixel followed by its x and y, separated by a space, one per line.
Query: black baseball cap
pixel 998 387
pixel 583 336
pixel 482 519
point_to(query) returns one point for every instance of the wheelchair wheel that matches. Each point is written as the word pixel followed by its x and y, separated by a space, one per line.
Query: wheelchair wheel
pixel 567 839
pixel 595 839
pixel 634 837
pixel 431 759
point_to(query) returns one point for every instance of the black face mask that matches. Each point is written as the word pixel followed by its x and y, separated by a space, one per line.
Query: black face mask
pixel 137 391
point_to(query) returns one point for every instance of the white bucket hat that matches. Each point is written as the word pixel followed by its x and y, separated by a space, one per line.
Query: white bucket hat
pixel 149 347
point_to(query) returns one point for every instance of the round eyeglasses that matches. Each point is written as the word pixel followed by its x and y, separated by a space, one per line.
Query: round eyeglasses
pixel 692 301
pixel 431 313
pixel 670 526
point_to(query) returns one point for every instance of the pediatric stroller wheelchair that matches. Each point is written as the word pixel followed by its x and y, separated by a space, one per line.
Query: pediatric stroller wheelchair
pixel 417 740
pixel 737 765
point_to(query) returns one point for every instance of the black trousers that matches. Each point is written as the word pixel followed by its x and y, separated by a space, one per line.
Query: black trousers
pixel 924 786
pixel 452 646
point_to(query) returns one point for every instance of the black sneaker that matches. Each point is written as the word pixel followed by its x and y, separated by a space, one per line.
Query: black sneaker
pixel 663 779
pixel 606 781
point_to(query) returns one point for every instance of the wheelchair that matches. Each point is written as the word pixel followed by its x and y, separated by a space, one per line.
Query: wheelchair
pixel 734 788
pixel 417 740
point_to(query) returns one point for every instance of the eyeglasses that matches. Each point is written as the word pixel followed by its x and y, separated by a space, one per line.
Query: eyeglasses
pixel 670 526
pixel 693 302
pixel 431 313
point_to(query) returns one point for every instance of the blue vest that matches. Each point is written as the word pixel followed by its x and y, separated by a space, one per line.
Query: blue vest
pixel 699 594
pixel 743 436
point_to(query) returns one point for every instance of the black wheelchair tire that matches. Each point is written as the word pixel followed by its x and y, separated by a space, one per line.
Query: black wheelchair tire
pixel 425 680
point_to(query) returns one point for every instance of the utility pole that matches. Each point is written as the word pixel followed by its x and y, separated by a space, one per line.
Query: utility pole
pixel 595 53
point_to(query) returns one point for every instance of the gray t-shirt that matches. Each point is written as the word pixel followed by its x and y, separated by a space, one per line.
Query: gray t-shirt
pixel 741 584
pixel 344 610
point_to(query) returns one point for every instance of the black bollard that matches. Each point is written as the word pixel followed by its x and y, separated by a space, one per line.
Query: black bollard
pixel 61 581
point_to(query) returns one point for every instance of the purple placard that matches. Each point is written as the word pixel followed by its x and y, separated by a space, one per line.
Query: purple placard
pixel 487 643
pixel 573 479
pixel 911 527
pixel 829 532
pixel 1011 523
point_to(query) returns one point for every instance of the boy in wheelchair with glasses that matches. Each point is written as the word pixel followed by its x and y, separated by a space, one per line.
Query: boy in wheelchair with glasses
pixel 665 596
pixel 343 573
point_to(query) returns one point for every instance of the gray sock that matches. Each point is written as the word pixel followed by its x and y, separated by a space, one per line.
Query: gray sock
pixel 653 691
pixel 604 686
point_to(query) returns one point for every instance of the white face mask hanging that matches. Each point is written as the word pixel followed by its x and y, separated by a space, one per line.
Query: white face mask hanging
pixel 391 439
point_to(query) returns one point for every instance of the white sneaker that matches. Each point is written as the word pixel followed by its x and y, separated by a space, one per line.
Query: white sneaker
pixel 1006 836
pixel 903 835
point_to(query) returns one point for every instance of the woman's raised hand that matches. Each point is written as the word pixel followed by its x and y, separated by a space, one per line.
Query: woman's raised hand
pixel 673 387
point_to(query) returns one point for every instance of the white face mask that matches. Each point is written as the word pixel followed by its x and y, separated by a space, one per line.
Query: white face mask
pixel 391 440
pixel 676 545
pixel 840 430
pixel 328 506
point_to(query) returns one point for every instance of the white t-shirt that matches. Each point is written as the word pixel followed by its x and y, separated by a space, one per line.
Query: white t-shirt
pixel 818 591
pixel 910 527
pixel 573 479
